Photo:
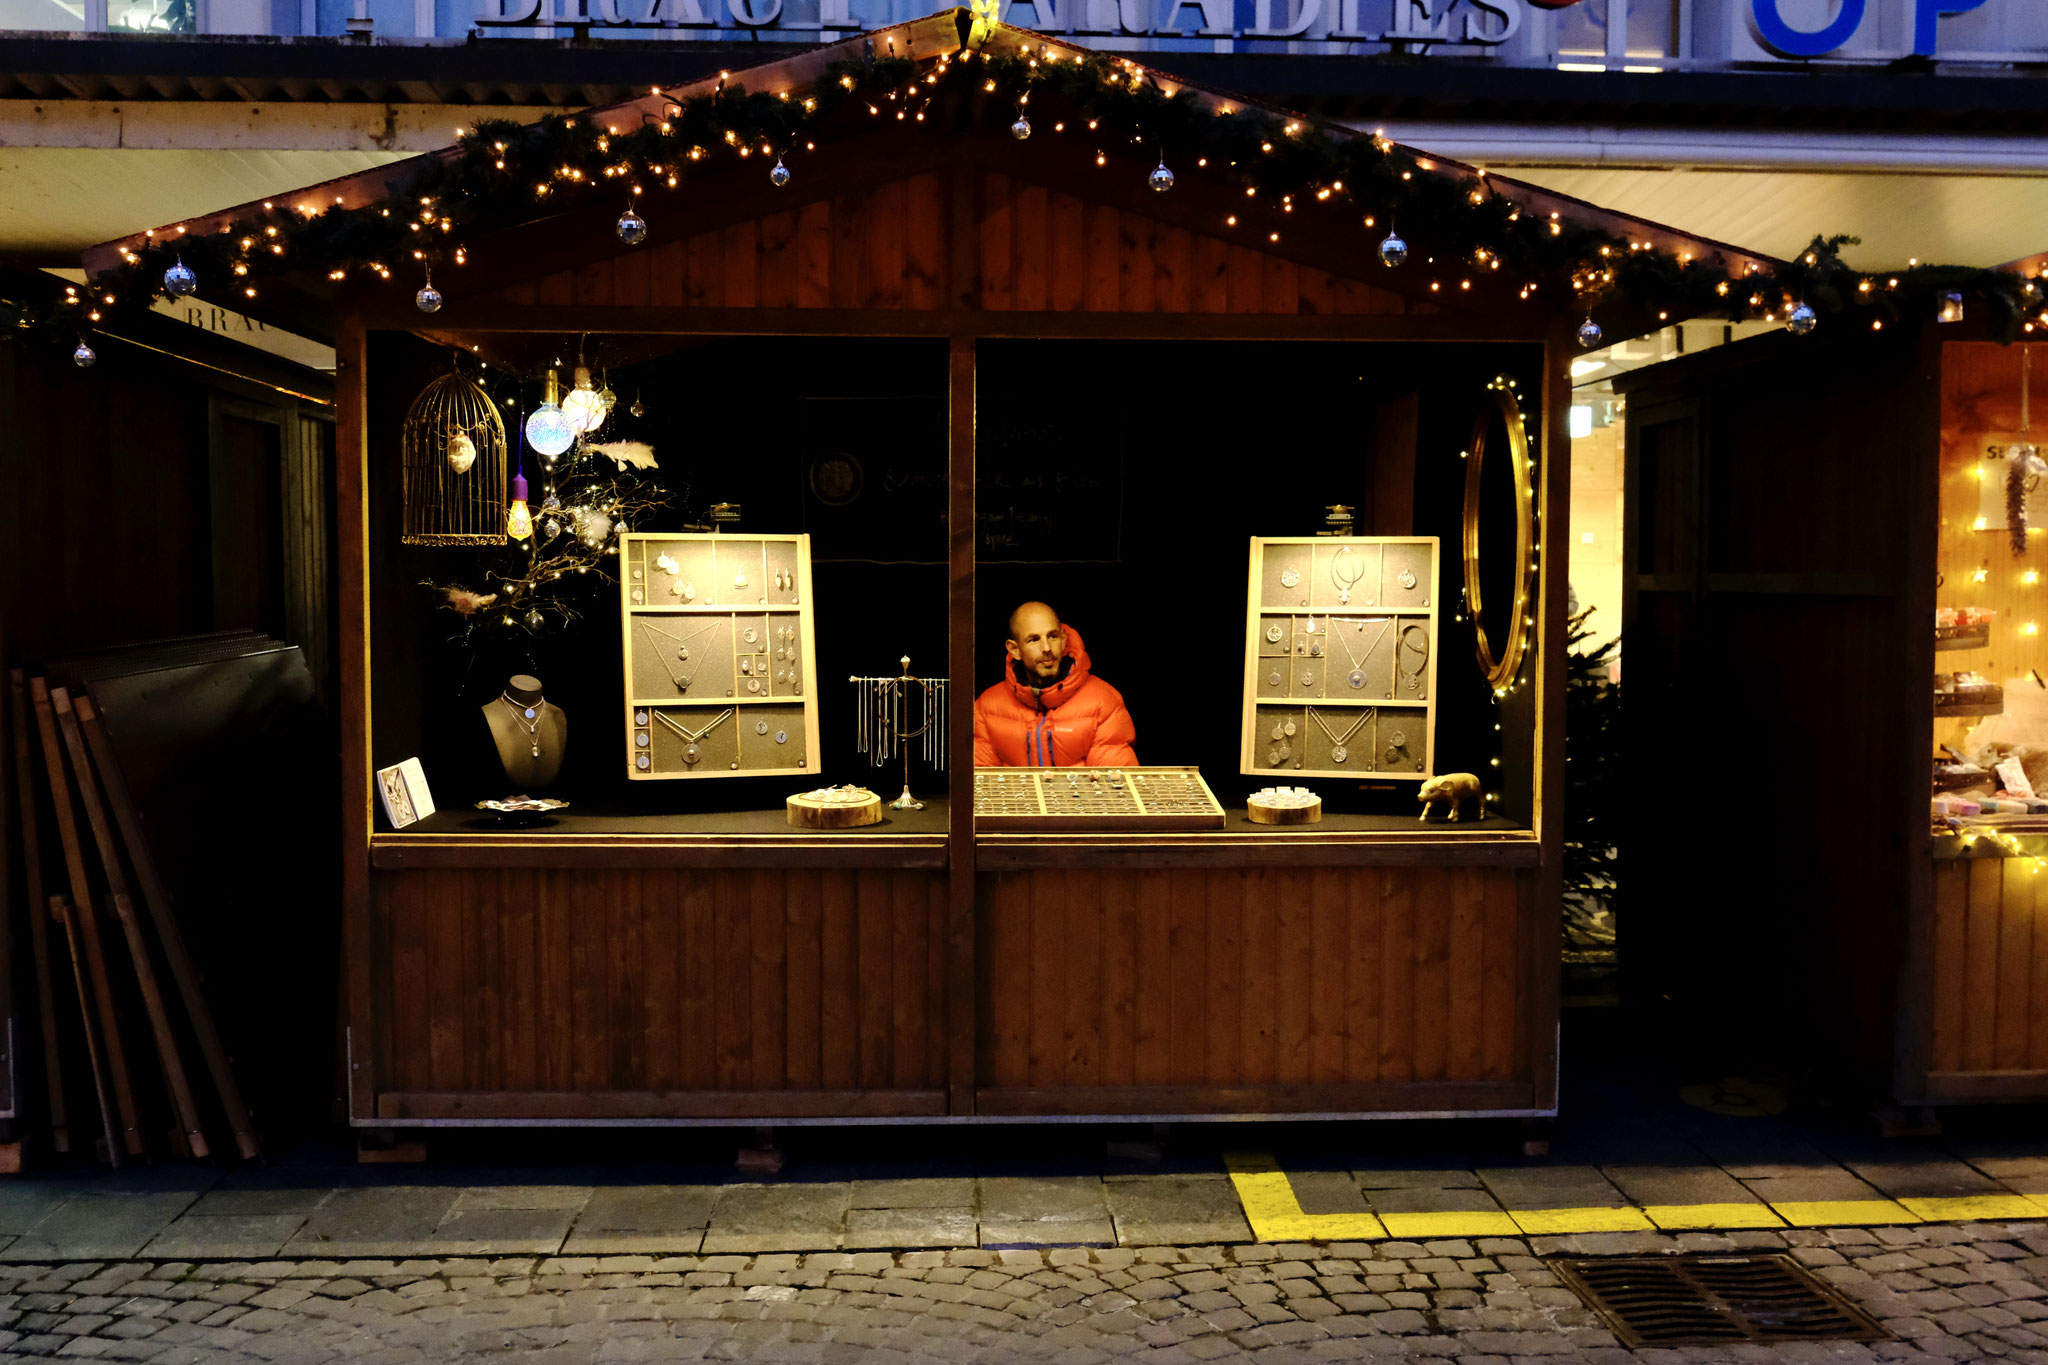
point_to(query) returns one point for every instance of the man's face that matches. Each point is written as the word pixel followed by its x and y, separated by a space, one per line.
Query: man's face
pixel 1039 644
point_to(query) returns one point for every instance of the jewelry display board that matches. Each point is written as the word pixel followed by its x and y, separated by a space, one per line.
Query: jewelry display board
pixel 1340 657
pixel 1101 799
pixel 717 632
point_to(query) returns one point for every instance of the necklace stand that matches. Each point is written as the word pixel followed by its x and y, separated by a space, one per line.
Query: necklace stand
pixel 884 724
pixel 517 735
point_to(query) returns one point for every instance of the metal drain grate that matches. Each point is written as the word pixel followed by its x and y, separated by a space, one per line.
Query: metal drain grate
pixel 1706 1300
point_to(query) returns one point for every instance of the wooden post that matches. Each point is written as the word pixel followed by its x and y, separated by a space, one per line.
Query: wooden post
pixel 61 912
pixel 38 912
pixel 352 536
pixel 131 928
pixel 960 914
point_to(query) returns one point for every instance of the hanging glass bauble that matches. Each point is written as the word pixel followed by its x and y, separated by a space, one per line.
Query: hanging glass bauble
pixel 1589 334
pixel 461 452
pixel 550 527
pixel 1393 251
pixel 780 175
pixel 534 620
pixel 1802 320
pixel 608 398
pixel 582 406
pixel 639 409
pixel 1161 179
pixel 83 357
pixel 632 228
pixel 1021 129
pixel 179 280
pixel 428 300
pixel 548 431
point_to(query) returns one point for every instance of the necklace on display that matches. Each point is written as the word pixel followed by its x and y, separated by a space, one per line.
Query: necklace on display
pixel 691 737
pixel 527 718
pixel 682 644
pixel 1345 582
pixel 1338 753
pixel 1412 679
pixel 1358 661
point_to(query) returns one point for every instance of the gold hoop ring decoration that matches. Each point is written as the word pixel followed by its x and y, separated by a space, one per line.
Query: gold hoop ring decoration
pixel 1500 672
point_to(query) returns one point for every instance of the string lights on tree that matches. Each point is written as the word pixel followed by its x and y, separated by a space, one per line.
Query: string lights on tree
pixel 500 174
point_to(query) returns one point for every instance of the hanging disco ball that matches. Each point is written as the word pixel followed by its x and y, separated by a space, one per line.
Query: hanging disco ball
pixel 1021 129
pixel 780 175
pixel 179 280
pixel 1161 179
pixel 548 430
pixel 428 300
pixel 83 357
pixel 632 228
pixel 1802 320
pixel 1393 251
pixel 1589 334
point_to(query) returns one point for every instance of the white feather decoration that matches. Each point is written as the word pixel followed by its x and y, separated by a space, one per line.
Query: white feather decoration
pixel 628 454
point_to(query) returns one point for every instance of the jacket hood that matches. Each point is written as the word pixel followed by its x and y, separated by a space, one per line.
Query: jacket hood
pixel 1055 696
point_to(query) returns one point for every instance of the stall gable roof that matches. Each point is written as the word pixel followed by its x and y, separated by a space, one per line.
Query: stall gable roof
pixel 932 37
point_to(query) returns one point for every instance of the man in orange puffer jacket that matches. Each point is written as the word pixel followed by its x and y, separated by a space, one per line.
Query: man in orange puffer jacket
pixel 1050 710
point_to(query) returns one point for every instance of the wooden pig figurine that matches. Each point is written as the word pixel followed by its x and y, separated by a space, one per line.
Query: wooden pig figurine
pixel 1460 792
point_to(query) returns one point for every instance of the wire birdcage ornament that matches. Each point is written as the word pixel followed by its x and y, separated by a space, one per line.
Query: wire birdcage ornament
pixel 454 461
pixel 885 726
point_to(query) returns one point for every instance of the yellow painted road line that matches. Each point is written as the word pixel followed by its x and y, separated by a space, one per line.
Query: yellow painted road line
pixel 1711 1217
pixel 1565 1222
pixel 1275 1214
pixel 1835 1213
pixel 1970 1207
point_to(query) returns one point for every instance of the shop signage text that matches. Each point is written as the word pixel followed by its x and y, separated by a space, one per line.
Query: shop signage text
pixel 1487 22
pixel 1780 37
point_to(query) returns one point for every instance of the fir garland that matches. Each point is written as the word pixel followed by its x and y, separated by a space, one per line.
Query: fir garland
pixel 501 174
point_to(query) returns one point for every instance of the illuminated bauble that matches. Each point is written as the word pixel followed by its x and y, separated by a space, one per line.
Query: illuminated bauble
pixel 1802 320
pixel 608 398
pixel 780 175
pixel 461 452
pixel 1393 251
pixel 83 357
pixel 582 406
pixel 428 300
pixel 180 281
pixel 1161 179
pixel 632 228
pixel 518 522
pixel 1589 334
pixel 548 430
pixel 1021 129
pixel 550 527
pixel 639 409
pixel 534 620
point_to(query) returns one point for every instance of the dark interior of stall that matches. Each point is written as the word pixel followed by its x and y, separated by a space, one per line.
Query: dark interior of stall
pixel 1122 481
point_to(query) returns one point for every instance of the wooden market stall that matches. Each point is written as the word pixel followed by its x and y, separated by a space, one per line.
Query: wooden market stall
pixel 675 952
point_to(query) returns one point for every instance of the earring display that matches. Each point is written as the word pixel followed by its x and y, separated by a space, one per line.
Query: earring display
pixel 1340 658
pixel 717 636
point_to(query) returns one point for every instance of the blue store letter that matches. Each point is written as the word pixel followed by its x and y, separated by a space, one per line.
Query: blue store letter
pixel 1782 38
pixel 1924 14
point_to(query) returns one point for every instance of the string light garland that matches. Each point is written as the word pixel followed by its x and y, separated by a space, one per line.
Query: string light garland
pixel 501 174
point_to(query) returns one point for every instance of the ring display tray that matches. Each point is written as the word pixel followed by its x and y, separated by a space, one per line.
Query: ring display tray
pixel 1340 657
pixel 717 634
pixel 1104 800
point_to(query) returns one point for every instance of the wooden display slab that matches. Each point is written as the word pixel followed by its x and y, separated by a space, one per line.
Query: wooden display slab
pixel 832 810
pixel 1267 812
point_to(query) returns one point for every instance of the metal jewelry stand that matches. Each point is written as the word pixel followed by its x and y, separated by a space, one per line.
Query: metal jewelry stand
pixel 884 719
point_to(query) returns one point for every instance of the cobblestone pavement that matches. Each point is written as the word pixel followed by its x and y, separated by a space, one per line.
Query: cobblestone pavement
pixel 1955 1292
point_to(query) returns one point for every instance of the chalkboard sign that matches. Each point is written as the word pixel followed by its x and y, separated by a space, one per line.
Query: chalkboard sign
pixel 1049 492
pixel 874 479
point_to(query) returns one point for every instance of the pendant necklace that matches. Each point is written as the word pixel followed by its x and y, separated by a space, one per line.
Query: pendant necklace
pixel 690 751
pixel 1358 661
pixel 527 718
pixel 1345 582
pixel 1338 753
pixel 682 644
pixel 1412 679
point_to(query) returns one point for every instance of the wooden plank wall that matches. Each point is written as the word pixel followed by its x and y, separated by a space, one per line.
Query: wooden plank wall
pixel 1253 977
pixel 885 248
pixel 1990 997
pixel 609 980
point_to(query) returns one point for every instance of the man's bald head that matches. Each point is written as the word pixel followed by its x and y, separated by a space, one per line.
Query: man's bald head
pixel 1037 642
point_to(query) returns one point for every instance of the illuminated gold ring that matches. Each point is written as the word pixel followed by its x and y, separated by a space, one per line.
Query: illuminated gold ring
pixel 1500 672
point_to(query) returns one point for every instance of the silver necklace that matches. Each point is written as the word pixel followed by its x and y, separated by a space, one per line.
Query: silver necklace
pixel 1357 678
pixel 690 737
pixel 682 643
pixel 1342 582
pixel 1338 753
pixel 1413 681
pixel 527 718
